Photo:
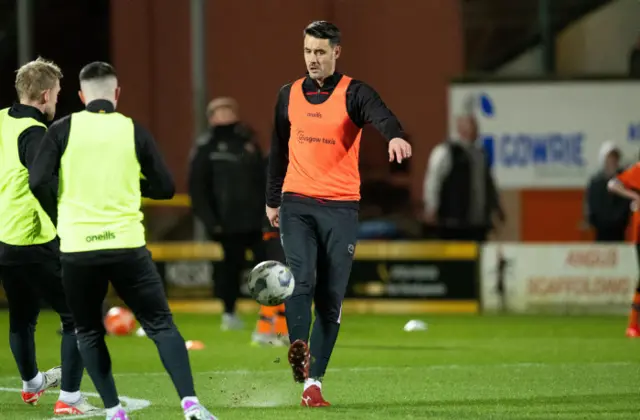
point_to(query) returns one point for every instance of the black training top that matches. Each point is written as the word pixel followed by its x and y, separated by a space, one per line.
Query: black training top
pixel 158 182
pixel 364 106
pixel 28 145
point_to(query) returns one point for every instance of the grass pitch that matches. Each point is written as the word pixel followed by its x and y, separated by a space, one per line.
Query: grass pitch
pixel 463 367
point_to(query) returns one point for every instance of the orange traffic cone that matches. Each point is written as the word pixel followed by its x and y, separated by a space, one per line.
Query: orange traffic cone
pixel 271 328
pixel 194 345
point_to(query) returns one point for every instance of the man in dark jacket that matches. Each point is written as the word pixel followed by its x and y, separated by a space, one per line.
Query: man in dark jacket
pixel 227 183
pixel 460 194
pixel 608 214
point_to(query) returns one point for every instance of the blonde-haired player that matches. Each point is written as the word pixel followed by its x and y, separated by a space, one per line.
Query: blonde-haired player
pixel 29 252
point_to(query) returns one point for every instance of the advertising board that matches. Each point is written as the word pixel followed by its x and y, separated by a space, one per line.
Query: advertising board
pixel 547 134
pixel 549 278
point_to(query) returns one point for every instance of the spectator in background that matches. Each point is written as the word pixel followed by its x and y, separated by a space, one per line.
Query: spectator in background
pixel 608 214
pixel 227 181
pixel 634 60
pixel 459 191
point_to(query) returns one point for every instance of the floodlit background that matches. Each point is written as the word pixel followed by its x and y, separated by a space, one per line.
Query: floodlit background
pixel 549 83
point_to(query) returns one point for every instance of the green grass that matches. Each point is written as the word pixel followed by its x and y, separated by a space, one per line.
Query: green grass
pixel 463 367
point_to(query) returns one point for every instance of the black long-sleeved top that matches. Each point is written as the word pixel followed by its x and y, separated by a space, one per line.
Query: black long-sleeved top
pixel 605 210
pixel 28 143
pixel 227 180
pixel 364 106
pixel 157 183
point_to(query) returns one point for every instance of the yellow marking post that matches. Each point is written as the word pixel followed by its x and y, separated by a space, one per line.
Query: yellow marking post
pixel 350 306
pixel 365 250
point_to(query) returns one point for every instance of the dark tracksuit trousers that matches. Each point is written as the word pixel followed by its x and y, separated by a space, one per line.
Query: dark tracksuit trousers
pixel 611 233
pixel 227 276
pixel 319 243
pixel 25 285
pixel 136 280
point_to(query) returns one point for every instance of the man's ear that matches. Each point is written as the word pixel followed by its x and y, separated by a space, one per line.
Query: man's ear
pixel 118 93
pixel 81 96
pixel 46 95
pixel 337 51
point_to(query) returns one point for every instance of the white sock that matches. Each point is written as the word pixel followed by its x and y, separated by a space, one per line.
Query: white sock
pixel 33 385
pixel 310 382
pixel 69 397
pixel 113 411
pixel 189 399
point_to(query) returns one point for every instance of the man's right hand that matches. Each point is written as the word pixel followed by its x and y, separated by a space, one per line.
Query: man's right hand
pixel 273 214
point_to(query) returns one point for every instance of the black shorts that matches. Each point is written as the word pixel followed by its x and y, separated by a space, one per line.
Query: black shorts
pixel 319 243
pixel 30 285
pixel 135 279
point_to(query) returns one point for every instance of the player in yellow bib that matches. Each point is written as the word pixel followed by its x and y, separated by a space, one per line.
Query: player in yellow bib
pixel 29 254
pixel 106 163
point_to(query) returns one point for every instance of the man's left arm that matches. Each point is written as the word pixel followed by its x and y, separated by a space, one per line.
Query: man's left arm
pixel 156 181
pixel 29 144
pixel 40 152
pixel 365 106
pixel 494 198
pixel 627 184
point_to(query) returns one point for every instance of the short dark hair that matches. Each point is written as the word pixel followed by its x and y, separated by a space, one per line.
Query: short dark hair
pixel 322 29
pixel 97 70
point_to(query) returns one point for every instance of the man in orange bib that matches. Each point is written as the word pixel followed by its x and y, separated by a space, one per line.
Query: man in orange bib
pixel 627 184
pixel 313 191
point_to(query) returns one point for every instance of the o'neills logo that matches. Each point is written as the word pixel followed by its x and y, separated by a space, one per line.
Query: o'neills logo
pixel 105 236
pixel 303 138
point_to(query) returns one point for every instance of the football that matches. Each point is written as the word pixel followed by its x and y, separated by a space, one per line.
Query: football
pixel 271 283
pixel 119 321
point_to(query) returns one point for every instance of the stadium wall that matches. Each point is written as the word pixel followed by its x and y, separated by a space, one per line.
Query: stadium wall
pixel 407 51
pixel 598 43
pixel 601 41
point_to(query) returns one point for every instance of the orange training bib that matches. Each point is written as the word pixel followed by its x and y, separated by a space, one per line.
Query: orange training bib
pixel 324 146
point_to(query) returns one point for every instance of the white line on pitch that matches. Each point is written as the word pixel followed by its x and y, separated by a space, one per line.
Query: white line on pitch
pixel 131 404
pixel 394 368
pixel 381 368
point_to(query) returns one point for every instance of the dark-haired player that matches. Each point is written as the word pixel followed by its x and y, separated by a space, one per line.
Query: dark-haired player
pixel 313 193
pixel 107 162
